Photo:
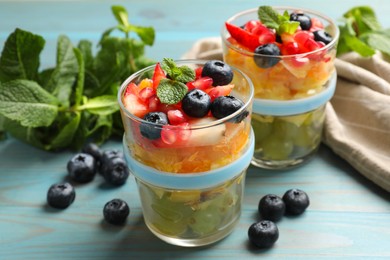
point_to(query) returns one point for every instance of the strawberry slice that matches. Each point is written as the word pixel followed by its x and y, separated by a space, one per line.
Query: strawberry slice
pixel 215 92
pixel 135 105
pixel 243 37
pixel 200 83
pixel 158 74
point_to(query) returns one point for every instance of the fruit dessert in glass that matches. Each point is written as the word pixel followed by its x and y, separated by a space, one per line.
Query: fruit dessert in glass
pixel 188 142
pixel 289 55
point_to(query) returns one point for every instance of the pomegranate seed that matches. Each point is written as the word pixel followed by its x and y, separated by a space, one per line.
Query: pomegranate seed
pixel 176 117
pixel 168 135
pixel 153 103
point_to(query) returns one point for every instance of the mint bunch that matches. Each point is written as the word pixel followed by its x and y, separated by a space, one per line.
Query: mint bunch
pixel 75 101
pixel 172 89
pixel 272 19
pixel 361 32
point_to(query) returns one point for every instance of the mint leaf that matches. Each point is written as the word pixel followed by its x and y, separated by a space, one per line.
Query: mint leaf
pixel 182 74
pixel 66 133
pixel 64 75
pixel 269 17
pixel 379 40
pixel 146 34
pixel 272 19
pixel 28 103
pixel 20 56
pixel 28 135
pixel 102 105
pixel 288 27
pixel 121 15
pixel 171 91
pixel 85 48
pixel 364 19
pixel 79 88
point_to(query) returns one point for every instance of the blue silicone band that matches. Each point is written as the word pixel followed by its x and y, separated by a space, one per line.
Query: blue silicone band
pixel 187 181
pixel 296 106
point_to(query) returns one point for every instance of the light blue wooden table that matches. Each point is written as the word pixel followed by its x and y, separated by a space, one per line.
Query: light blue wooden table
pixel 348 215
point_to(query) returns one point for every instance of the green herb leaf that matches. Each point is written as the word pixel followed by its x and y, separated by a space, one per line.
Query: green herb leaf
pixel 102 105
pixel 362 33
pixel 146 34
pixel 85 48
pixel 20 56
pixel 269 17
pixel 272 19
pixel 66 133
pixel 28 103
pixel 64 75
pixel 121 15
pixel 171 91
pixel 182 74
pixel 78 91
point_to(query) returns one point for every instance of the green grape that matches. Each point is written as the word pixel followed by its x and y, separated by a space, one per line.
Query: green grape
pixel 306 137
pixel 285 129
pixel 169 228
pixel 261 129
pixel 277 148
pixel 206 221
pixel 169 217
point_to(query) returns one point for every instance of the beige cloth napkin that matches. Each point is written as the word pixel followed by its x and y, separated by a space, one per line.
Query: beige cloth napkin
pixel 357 124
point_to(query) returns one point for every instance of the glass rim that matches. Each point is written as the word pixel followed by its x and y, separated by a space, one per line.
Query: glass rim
pixel 190 127
pixel 309 11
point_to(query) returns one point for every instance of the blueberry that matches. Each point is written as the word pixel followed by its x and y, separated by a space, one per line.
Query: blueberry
pixel 296 201
pixel 196 103
pixel 271 207
pixel 116 211
pixel 224 106
pixel 94 150
pixel 219 71
pixel 322 36
pixel 263 234
pixel 61 195
pixel 266 58
pixel 303 19
pixel 107 156
pixel 152 131
pixel 116 171
pixel 82 167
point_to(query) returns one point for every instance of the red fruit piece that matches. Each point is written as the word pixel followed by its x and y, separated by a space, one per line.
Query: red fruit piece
pixel 267 37
pixel 176 117
pixel 198 72
pixel 200 83
pixel 131 88
pixel 175 135
pixel 243 37
pixel 252 25
pixel 146 93
pixel 289 48
pixel 215 92
pixel 316 24
pixel 135 105
pixel 153 103
pixel 158 74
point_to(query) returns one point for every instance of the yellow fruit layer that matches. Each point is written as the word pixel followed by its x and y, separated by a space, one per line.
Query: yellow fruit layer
pixel 193 159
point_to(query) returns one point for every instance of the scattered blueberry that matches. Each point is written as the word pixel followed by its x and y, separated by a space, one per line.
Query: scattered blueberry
pixel 116 171
pixel 219 71
pixel 61 195
pixel 107 156
pixel 94 150
pixel 152 131
pixel 303 19
pixel 196 103
pixel 296 201
pixel 82 167
pixel 322 36
pixel 265 58
pixel 271 207
pixel 263 234
pixel 116 211
pixel 224 106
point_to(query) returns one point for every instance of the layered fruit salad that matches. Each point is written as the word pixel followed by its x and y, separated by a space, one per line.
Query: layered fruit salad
pixel 186 120
pixel 288 54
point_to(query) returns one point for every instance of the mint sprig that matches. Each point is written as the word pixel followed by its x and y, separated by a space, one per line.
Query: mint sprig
pixel 361 32
pixel 173 89
pixel 272 19
pixel 76 100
